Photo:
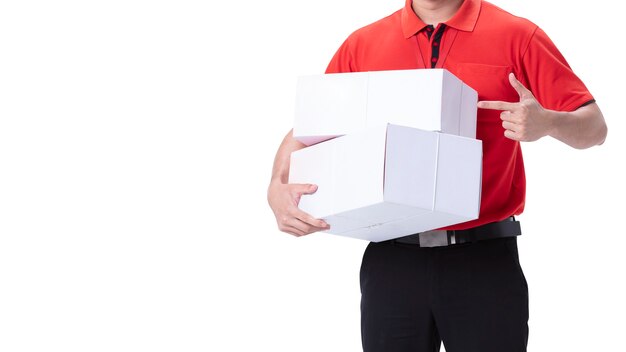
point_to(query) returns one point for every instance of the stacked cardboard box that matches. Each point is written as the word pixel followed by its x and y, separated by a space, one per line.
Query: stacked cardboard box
pixel 393 152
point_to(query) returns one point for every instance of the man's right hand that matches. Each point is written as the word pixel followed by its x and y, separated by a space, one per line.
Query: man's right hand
pixel 283 199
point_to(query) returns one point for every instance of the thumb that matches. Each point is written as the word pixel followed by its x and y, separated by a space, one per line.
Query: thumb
pixel 307 189
pixel 519 87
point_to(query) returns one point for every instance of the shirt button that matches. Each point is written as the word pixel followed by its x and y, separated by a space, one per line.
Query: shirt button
pixel 434 59
pixel 435 44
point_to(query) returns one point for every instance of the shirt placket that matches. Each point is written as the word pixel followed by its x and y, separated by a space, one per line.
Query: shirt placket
pixel 435 37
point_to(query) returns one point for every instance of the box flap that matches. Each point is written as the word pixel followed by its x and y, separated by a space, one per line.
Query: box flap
pixel 459 176
pixel 329 105
pixel 411 166
pixel 405 97
pixel 451 103
pixel 469 100
pixel 358 168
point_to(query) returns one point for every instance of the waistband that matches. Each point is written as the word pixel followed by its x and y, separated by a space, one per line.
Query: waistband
pixel 508 227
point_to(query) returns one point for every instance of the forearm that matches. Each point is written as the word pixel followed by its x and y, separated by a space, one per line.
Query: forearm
pixel 280 170
pixel 581 129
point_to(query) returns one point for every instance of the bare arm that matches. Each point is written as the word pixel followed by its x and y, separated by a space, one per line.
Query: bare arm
pixel 283 197
pixel 280 170
pixel 580 129
pixel 528 120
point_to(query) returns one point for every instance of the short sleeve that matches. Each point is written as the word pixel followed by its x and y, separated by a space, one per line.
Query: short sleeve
pixel 550 77
pixel 342 60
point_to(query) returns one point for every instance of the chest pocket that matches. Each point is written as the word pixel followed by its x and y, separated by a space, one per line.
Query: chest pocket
pixel 491 82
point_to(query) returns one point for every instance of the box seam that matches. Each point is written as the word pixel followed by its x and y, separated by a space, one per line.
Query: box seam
pixel 434 202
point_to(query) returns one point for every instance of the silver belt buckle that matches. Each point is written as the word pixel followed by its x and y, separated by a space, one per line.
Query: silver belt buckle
pixel 436 238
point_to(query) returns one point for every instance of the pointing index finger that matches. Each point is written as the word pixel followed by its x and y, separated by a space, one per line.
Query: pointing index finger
pixel 496 105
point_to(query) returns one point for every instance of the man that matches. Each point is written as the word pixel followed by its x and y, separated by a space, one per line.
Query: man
pixel 471 293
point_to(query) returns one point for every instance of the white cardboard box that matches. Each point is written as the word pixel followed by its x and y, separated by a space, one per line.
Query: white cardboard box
pixel 337 104
pixel 385 182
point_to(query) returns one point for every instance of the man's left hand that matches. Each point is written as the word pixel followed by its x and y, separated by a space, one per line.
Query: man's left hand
pixel 526 120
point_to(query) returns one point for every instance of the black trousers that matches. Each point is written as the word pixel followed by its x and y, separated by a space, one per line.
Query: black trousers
pixel 471 296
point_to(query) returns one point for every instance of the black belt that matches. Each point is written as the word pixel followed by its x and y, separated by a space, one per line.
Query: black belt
pixel 506 228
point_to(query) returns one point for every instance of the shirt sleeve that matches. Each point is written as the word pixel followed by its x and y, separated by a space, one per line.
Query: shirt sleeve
pixel 342 60
pixel 550 77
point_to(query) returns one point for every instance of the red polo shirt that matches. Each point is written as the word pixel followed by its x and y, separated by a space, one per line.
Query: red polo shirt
pixel 481 44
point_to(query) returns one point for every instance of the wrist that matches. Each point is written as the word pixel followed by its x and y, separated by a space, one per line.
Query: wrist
pixel 553 119
pixel 275 184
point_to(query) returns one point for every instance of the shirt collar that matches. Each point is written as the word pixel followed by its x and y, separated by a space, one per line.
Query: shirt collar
pixel 464 19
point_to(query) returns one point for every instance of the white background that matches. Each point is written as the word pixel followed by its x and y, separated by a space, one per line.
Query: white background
pixel 136 143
